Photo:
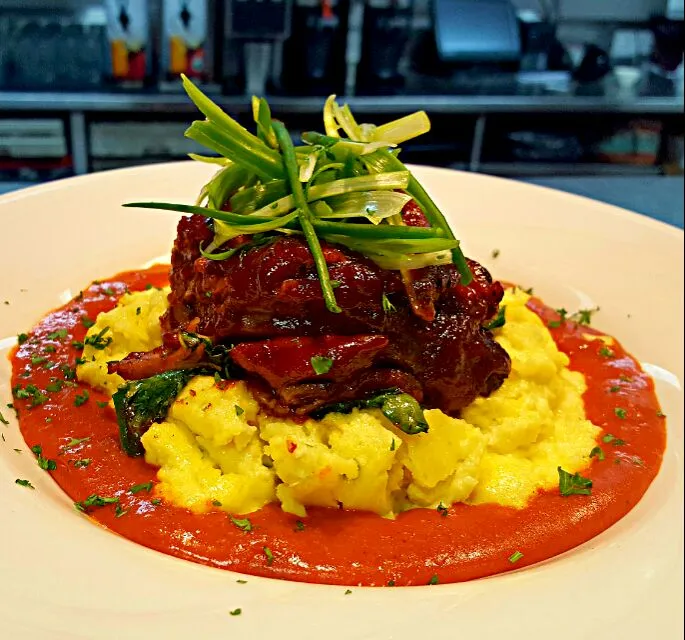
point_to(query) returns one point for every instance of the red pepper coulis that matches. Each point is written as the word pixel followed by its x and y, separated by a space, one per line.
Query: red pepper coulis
pixel 335 546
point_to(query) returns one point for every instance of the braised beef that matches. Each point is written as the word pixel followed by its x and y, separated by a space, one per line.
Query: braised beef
pixel 265 301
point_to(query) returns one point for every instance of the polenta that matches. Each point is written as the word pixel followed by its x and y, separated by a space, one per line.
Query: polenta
pixel 216 449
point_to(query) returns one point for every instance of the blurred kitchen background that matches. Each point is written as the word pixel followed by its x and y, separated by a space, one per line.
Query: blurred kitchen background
pixel 582 95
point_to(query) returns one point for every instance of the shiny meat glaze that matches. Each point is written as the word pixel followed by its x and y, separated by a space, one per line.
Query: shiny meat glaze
pixel 267 301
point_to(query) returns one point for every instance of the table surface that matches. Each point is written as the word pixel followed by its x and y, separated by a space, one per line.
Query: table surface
pixel 659 197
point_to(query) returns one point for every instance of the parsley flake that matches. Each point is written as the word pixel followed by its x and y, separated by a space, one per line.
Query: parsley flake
pixel 94 500
pixel 241 581
pixel 269 556
pixel 60 334
pixel 443 510
pixel 98 341
pixel 239 410
pixel 321 364
pixel 610 439
pixel 515 557
pixel 243 524
pixel 575 484
pixel 74 442
pixel 119 511
pixel 598 453
pixel 605 352
pixel 392 445
pixel 433 579
pixel 87 322
pixel 495 253
pixel 499 320
pixel 620 413
pixel 236 612
pixel 348 592
pixel 24 483
pixel 143 486
pixel 388 307
pixel 81 464
pixel 44 463
pixel 3 420
pixel 22 337
pixel 81 398
pixel 299 525
pixel 614 389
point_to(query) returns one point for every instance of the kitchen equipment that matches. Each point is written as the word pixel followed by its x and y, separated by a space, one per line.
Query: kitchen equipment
pixel 186 45
pixel 593 66
pixel 128 31
pixel 476 31
pixel 314 53
pixel 254 31
pixel 386 29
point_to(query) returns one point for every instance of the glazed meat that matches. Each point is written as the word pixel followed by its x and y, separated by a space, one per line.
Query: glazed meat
pixel 266 302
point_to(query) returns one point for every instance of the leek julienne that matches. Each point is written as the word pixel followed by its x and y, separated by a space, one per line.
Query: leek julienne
pixel 344 190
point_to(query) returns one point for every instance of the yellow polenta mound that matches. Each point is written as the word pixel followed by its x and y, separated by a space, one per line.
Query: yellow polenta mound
pixel 217 450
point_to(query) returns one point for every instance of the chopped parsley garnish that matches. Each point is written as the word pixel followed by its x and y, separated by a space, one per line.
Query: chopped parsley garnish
pixel 515 557
pixel 156 501
pixel 236 612
pixel 80 464
pixel 392 445
pixel 216 503
pixel 614 389
pixel 138 310
pixel 598 453
pixel 239 410
pixel 269 555
pixel 443 510
pixel 81 398
pixel 98 341
pixel 60 334
pixel 143 486
pixel 299 525
pixel 499 320
pixel 30 392
pixel 335 283
pixel 50 348
pixel 102 403
pixel 562 318
pixel 348 592
pixel 605 352
pixel 620 413
pixel 87 322
pixel 433 579
pixel 119 511
pixel 241 581
pixel 77 344
pixel 575 484
pixel 388 306
pixel 109 291
pixel 80 361
pixel 55 386
pixel 36 360
pixel 74 442
pixel 659 414
pixel 21 338
pixel 609 439
pixel 243 524
pixel 495 253
pixel 44 463
pixel 94 500
pixel 321 364
pixel 2 419
pixel 391 583
pixel 24 483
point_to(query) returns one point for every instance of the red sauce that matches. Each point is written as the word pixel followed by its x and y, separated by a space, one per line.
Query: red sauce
pixel 340 547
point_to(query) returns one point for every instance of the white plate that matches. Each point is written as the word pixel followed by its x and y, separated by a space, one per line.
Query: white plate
pixel 63 577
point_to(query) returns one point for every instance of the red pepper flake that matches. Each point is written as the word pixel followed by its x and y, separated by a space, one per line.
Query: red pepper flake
pixel 193 393
pixel 291 446
pixel 222 385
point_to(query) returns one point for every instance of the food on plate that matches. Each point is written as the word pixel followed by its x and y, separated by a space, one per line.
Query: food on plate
pixel 322 387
